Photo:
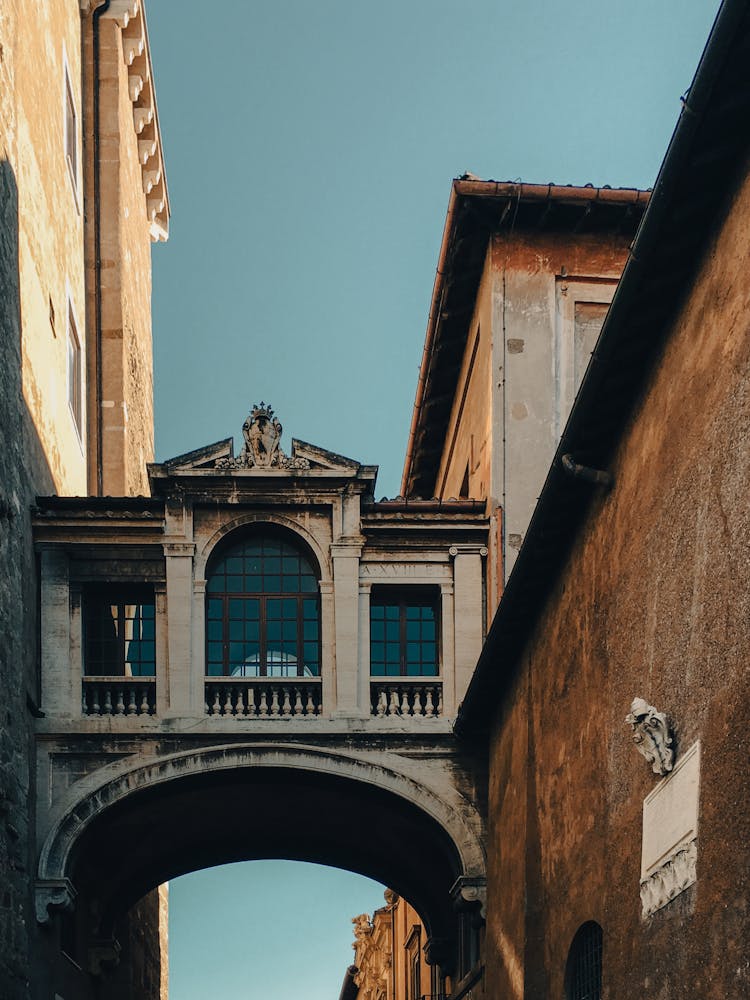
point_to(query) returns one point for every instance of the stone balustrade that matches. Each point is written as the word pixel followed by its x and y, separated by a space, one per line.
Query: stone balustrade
pixel 119 696
pixel 264 697
pixel 396 696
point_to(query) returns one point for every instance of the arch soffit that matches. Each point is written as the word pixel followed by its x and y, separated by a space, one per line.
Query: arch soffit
pixel 120 781
pixel 206 551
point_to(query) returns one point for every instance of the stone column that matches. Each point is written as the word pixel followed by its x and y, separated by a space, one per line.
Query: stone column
pixel 162 657
pixel 346 611
pixel 365 588
pixel 185 689
pixel 198 658
pixel 447 650
pixel 61 692
pixel 327 649
pixel 468 611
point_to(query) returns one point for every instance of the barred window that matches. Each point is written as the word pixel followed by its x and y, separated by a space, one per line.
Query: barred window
pixel 262 611
pixel 583 972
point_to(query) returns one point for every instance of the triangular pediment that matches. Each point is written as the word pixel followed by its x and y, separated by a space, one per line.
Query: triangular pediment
pixel 321 458
pixel 201 458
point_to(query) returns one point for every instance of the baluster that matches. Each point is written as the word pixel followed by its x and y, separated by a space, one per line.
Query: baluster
pixel 274 701
pixel 145 706
pixel 417 707
pixel 96 708
pixel 120 703
pixel 263 708
pixel 251 701
pixel 310 707
pixel 228 701
pixel 107 707
pixel 132 707
pixel 287 707
pixel 393 708
pixel 382 702
pixel 216 707
pixel 239 709
pixel 84 701
pixel 405 710
pixel 297 701
pixel 440 701
pixel 206 691
pixel 429 707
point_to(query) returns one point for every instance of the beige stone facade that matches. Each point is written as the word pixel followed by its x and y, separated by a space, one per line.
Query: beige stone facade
pixel 69 121
pixel 515 318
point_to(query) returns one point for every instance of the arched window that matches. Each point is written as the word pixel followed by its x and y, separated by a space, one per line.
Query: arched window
pixel 583 972
pixel 262 611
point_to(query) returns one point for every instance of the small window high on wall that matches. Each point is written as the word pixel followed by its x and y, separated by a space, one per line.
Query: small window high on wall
pixel 583 972
pixel 404 633
pixel 119 632
pixel 75 372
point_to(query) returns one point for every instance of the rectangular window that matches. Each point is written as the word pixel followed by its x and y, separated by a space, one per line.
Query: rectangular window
pixel 70 129
pixel 413 965
pixel 75 373
pixel 403 633
pixel 119 633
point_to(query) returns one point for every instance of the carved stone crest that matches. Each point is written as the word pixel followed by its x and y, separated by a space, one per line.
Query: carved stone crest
pixel 261 447
pixel 651 735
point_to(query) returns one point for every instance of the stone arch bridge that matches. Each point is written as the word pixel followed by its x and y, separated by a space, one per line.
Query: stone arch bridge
pixel 257 661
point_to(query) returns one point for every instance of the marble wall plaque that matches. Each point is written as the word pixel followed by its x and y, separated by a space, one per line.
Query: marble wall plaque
pixel 670 833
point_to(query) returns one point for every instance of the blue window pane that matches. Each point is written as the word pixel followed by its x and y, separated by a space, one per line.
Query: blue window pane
pixel 273 608
pixel 428 629
pixel 289 630
pixel 377 652
pixel 214 670
pixel 215 652
pixel 252 609
pixel 272 565
pixel 234 585
pixel 215 584
pixel 377 612
pixel 290 584
pixel 254 564
pixel 290 564
pixel 413 612
pixel 289 608
pixel 392 669
pixel 392 652
pixel 271 546
pixel 413 669
pixel 236 630
pixel 377 669
pixel 273 631
pixel 413 652
pixel 272 584
pixel 147 628
pixel 215 608
pixel 215 630
pixel 377 631
pixel 252 630
pixel 310 630
pixel 393 631
pixel 310 609
pixel 413 631
pixel 234 565
pixel 253 584
pixel 310 653
pixel 391 612
pixel 309 584
pixel 429 652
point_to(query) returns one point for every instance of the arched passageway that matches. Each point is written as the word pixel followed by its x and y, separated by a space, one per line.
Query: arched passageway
pixel 147 824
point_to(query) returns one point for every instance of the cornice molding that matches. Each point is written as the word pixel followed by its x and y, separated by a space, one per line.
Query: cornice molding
pixel 130 16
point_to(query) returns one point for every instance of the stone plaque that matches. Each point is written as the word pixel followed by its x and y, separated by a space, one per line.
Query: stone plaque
pixel 670 832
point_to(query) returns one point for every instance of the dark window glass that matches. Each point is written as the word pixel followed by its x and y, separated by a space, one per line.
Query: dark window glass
pixel 119 634
pixel 403 633
pixel 261 620
pixel 583 973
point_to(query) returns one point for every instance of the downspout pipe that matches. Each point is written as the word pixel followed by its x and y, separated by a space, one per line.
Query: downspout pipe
pixel 96 17
pixel 597 476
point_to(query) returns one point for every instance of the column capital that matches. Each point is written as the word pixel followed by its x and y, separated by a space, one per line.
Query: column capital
pixel 467 549
pixel 347 549
pixel 178 548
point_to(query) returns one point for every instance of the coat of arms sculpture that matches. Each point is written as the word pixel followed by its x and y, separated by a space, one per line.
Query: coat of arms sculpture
pixel 261 448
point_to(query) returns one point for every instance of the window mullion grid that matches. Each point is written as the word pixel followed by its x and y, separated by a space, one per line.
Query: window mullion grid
pixel 225 634
pixel 402 636
pixel 121 636
pixel 263 641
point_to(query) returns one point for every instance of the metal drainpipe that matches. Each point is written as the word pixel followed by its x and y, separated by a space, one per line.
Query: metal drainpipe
pixel 98 245
pixel 586 473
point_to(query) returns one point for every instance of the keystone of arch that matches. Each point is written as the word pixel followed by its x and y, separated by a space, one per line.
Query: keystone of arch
pixel 459 826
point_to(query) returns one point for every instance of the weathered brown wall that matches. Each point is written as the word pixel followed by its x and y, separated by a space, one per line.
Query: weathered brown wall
pixel 654 602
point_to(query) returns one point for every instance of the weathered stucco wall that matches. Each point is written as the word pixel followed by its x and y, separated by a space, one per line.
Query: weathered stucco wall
pixel 654 602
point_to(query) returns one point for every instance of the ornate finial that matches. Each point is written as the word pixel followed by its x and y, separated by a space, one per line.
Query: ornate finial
pixel 651 735
pixel 362 926
pixel 261 448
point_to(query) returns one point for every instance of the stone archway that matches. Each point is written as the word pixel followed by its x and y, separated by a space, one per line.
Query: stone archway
pixel 130 826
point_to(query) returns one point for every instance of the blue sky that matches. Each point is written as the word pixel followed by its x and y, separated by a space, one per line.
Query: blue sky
pixel 309 151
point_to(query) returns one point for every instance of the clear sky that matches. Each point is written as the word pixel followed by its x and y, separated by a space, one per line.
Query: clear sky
pixel 309 151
